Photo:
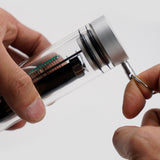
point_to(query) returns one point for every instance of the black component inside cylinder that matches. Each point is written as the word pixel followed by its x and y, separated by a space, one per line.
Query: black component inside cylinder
pixel 68 72
pixel 5 111
pixel 60 77
pixel 51 82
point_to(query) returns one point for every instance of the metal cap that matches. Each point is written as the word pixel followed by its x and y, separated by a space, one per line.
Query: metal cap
pixel 109 42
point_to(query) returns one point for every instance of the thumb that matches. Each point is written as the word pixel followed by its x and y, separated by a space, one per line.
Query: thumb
pixel 122 139
pixel 17 89
pixel 136 143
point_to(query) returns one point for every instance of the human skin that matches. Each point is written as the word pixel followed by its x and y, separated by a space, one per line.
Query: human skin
pixel 140 143
pixel 16 86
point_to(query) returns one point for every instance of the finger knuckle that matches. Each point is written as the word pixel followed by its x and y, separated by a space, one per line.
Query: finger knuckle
pixel 39 39
pixel 152 112
pixel 8 26
pixel 141 138
pixel 2 10
pixel 21 82
pixel 116 136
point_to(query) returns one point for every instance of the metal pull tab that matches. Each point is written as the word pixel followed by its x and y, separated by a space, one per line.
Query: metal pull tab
pixel 131 75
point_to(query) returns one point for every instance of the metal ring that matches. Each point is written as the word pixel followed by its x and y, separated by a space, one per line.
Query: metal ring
pixel 144 84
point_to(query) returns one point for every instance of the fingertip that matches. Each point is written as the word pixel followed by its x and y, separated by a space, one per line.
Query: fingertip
pixel 35 112
pixel 17 125
pixel 151 118
pixel 122 138
pixel 134 100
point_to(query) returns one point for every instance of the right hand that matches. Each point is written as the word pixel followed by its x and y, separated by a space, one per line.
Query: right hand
pixel 16 86
pixel 140 143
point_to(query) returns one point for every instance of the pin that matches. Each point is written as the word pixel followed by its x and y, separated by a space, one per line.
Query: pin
pixel 131 75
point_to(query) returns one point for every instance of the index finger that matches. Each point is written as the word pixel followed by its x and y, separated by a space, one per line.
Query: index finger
pixel 136 94
pixel 29 41
pixel 19 36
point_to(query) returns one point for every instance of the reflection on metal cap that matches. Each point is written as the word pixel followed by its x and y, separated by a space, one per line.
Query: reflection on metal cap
pixel 109 42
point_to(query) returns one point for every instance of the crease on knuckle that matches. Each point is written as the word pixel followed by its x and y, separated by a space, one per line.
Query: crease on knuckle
pixel 20 83
pixel 8 27
pixel 140 142
pixel 35 45
pixel 11 32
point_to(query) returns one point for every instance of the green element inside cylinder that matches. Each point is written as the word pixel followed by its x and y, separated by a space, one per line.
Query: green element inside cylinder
pixel 43 65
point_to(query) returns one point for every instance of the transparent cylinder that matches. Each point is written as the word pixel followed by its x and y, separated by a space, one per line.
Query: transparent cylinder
pixel 60 69
pixel 66 65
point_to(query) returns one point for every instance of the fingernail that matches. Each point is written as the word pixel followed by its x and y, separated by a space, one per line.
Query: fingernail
pixel 35 111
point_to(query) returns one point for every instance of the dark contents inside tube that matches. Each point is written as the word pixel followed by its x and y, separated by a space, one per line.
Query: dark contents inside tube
pixel 53 80
pixel 60 77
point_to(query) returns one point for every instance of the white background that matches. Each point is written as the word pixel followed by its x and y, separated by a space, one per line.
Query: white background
pixel 80 126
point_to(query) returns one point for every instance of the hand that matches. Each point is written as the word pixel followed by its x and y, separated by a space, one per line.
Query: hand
pixel 140 143
pixel 16 86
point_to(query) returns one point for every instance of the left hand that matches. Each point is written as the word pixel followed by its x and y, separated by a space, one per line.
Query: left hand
pixel 16 86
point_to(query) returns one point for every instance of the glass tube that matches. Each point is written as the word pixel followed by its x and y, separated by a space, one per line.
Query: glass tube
pixel 90 51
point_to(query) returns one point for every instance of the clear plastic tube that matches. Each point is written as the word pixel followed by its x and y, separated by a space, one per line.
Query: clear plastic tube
pixel 66 65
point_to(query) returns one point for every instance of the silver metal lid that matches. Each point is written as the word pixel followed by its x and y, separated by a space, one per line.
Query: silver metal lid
pixel 109 42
